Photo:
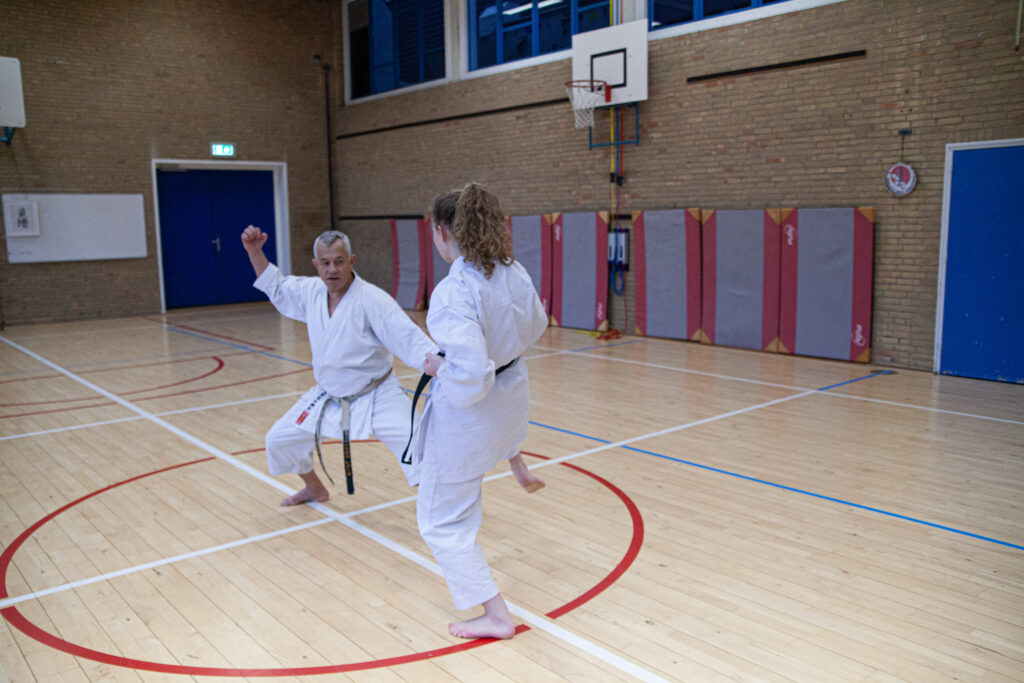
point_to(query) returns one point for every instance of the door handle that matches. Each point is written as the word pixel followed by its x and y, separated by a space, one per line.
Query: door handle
pixel 217 242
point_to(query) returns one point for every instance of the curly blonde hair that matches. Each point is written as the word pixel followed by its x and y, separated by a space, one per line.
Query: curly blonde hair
pixel 475 219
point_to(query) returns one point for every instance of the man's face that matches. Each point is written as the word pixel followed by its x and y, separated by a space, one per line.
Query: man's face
pixel 334 266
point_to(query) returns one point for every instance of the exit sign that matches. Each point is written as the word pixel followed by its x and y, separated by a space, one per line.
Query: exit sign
pixel 222 149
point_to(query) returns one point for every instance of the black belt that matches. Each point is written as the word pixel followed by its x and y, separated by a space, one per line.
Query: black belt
pixel 424 381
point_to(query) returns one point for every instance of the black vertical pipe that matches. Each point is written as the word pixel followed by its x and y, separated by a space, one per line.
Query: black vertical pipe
pixel 330 143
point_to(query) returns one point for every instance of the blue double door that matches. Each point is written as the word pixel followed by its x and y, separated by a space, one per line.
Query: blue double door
pixel 202 215
pixel 982 332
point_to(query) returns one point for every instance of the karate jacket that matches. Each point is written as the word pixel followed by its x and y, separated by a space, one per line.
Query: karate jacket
pixel 474 419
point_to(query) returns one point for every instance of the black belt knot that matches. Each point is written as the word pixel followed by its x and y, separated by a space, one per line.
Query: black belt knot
pixel 424 381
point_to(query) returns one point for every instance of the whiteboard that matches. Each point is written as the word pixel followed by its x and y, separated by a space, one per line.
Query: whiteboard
pixel 73 227
pixel 12 101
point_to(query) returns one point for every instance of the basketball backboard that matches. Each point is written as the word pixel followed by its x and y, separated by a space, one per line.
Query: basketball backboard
pixel 617 55
pixel 12 105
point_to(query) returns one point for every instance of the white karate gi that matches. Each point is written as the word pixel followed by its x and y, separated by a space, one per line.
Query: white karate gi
pixel 472 418
pixel 351 348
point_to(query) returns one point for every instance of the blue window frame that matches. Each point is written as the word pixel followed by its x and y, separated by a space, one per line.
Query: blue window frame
pixel 394 43
pixel 527 28
pixel 662 13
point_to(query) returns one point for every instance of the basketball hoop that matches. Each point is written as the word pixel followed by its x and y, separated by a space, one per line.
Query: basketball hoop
pixel 584 96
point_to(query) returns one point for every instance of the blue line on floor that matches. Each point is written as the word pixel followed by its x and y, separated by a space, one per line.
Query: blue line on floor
pixel 567 431
pixel 796 490
pixel 824 497
pixel 857 379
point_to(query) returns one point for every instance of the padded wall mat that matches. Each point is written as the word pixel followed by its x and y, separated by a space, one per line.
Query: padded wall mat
pixel 531 246
pixel 740 279
pixel 408 282
pixel 826 279
pixel 666 266
pixel 579 270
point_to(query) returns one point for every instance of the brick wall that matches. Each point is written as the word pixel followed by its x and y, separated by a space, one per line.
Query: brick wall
pixel 814 136
pixel 110 85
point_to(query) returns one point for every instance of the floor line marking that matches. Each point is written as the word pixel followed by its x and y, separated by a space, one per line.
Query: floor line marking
pixel 824 390
pixel 624 442
pixel 941 411
pixel 232 544
pixel 713 375
pixel 242 346
pixel 179 411
pixel 832 499
pixel 590 648
pixel 7 602
pixel 216 452
pixel 535 620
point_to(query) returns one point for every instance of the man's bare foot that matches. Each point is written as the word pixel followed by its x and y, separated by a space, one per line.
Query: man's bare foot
pixel 495 622
pixel 307 495
pixel 524 476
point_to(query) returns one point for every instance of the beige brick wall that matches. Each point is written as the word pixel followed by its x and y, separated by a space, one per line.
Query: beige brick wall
pixel 813 136
pixel 111 85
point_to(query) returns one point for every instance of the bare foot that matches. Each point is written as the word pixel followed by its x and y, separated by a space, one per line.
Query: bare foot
pixel 524 476
pixel 307 495
pixel 531 483
pixel 313 492
pixel 483 626
pixel 495 622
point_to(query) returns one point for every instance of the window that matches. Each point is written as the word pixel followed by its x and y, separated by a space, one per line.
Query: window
pixel 394 43
pixel 527 28
pixel 664 13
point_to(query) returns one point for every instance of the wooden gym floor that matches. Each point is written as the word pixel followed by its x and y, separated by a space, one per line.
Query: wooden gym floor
pixel 710 514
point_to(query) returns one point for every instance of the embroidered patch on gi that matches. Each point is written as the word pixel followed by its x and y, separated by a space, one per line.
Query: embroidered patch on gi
pixel 305 413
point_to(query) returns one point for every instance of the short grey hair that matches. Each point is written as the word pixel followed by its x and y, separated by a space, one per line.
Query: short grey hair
pixel 330 237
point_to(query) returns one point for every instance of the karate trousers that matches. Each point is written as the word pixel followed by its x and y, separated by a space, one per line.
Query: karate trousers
pixel 290 444
pixel 449 517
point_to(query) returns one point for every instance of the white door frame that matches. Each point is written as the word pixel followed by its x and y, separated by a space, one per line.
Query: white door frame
pixel 282 230
pixel 947 187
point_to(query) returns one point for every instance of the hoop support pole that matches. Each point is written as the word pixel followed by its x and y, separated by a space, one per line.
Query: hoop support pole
pixel 8 135
pixel 618 143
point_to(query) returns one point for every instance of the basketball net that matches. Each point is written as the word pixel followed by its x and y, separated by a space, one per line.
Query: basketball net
pixel 584 96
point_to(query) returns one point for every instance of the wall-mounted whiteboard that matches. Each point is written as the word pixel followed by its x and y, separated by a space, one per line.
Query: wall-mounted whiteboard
pixel 73 227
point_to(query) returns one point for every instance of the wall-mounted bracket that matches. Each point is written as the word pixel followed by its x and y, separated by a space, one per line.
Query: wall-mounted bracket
pixel 617 142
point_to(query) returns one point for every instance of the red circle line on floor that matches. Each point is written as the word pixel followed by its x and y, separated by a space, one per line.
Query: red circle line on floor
pixel 19 621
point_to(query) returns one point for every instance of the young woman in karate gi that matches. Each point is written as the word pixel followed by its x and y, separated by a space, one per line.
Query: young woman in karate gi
pixel 483 315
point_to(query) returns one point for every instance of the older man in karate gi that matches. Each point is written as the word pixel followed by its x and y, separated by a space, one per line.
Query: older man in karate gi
pixel 354 327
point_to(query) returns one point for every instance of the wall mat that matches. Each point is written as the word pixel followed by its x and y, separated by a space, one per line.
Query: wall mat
pixel 666 273
pixel 826 275
pixel 579 270
pixel 408 282
pixel 740 279
pixel 531 246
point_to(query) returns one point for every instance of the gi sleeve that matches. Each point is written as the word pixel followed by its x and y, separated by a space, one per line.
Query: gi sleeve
pixel 286 292
pixel 397 332
pixel 467 373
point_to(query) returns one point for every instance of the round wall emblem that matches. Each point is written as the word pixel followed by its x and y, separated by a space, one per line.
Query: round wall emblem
pixel 900 179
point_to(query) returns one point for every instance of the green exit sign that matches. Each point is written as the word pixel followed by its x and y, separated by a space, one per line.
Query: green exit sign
pixel 222 149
